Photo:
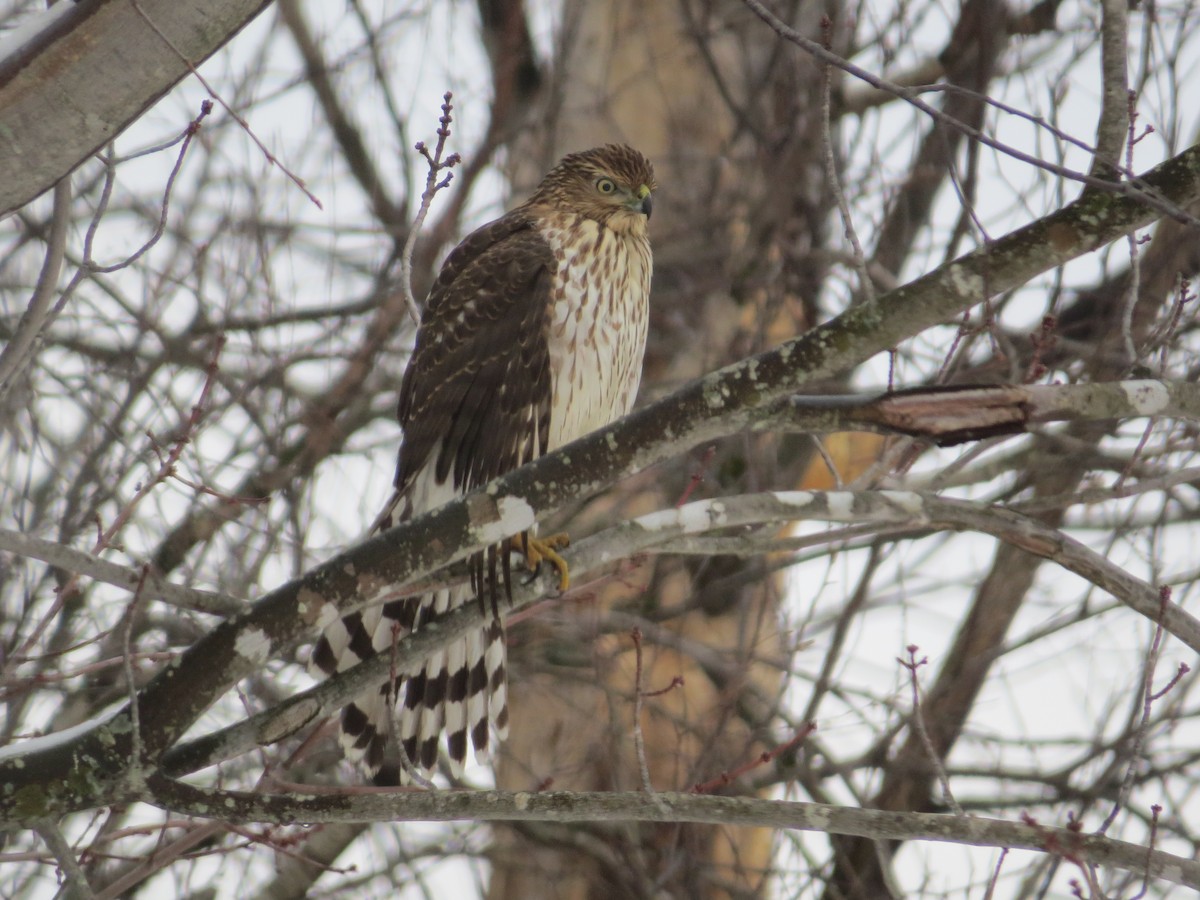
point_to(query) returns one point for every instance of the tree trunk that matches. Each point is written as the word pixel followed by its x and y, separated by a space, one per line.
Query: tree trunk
pixel 680 83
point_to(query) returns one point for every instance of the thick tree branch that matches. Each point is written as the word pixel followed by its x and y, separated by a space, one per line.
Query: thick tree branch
pixel 943 415
pixel 952 415
pixel 660 531
pixel 130 578
pixel 57 103
pixel 1112 129
pixel 723 403
pixel 569 806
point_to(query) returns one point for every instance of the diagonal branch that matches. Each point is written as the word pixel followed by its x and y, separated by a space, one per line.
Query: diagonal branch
pixel 98 765
pixel 1133 188
pixel 659 531
pixel 69 63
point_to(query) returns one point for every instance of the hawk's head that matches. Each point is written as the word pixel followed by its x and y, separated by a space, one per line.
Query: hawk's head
pixel 613 184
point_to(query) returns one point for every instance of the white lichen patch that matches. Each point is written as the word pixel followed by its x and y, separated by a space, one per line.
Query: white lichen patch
pixel 314 610
pixel 696 518
pixel 521 801
pixel 964 283
pixel 907 501
pixel 841 505
pixel 691 518
pixel 1147 397
pixel 254 645
pixel 818 818
pixel 714 391
pixel 794 498
pixel 663 520
pixel 515 516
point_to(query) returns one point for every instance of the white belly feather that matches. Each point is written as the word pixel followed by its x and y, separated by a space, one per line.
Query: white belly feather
pixel 597 330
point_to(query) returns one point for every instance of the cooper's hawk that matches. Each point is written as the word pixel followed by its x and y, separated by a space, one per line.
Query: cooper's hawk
pixel 532 336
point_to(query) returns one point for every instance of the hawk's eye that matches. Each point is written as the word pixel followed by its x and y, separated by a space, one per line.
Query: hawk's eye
pixel 605 185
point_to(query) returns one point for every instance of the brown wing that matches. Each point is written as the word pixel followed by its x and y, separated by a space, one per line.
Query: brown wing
pixel 475 400
pixel 474 403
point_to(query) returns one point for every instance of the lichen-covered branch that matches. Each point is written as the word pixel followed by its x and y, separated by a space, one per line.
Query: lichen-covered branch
pixel 569 806
pixel 96 768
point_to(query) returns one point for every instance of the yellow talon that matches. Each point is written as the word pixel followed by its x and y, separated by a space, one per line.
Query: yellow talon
pixel 538 549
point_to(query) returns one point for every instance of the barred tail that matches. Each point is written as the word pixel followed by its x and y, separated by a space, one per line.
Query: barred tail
pixel 461 689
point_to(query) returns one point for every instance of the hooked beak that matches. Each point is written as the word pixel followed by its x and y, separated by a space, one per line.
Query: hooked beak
pixel 643 201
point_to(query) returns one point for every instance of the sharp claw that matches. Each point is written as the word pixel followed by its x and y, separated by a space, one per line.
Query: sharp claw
pixel 545 549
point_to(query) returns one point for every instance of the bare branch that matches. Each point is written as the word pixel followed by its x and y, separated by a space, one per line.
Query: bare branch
pixel 69 66
pixel 1131 189
pixel 557 806
pixel 18 351
pixel 77 884
pixel 434 182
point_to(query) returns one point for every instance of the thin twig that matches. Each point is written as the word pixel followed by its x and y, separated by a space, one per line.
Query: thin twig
pixel 297 180
pixel 436 165
pixel 135 770
pixel 991 888
pixel 188 133
pixel 1134 188
pixel 767 756
pixel 639 741
pixel 1155 812
pixel 827 458
pixel 76 887
pixel 918 720
pixel 834 177
pixel 163 856
pixel 841 629
pixel 106 536
pixel 18 352
pixel 126 577
pixel 1135 268
pixel 1149 696
pixel 17 686
pixel 697 476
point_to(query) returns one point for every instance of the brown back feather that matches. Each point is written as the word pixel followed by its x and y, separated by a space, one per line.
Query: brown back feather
pixel 477 390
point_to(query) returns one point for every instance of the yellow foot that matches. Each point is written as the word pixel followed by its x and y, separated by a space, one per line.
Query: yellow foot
pixel 538 549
